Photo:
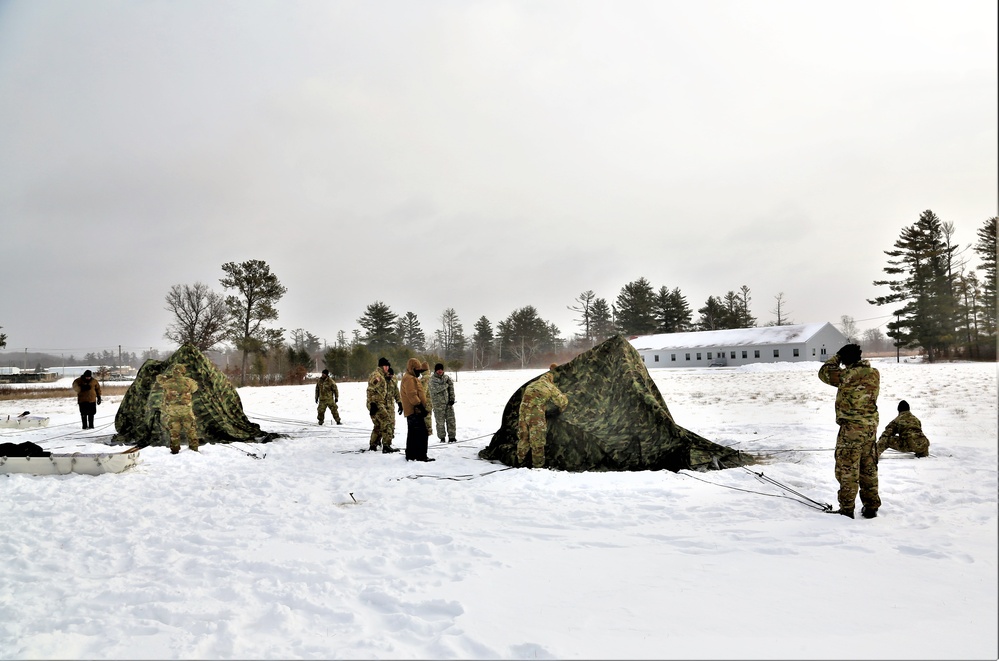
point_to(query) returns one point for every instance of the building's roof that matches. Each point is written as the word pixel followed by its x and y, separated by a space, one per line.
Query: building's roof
pixel 734 337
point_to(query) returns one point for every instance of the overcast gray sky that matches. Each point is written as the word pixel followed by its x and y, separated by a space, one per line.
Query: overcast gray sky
pixel 477 155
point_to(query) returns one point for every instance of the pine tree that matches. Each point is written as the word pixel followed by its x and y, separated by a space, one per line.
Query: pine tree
pixel 986 249
pixel 379 323
pixel 923 288
pixel 451 336
pixel 603 325
pixel 713 315
pixel 482 344
pixel 671 311
pixel 259 291
pixel 410 332
pixel 524 334
pixel 636 308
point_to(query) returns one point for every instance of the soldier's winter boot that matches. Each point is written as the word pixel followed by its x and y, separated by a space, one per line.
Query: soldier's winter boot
pixel 90 421
pixel 845 512
pixel 174 449
pixel 869 512
pixel 388 448
pixel 451 440
pixel 83 417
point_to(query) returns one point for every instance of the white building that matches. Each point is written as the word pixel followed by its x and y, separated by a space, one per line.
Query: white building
pixel 740 346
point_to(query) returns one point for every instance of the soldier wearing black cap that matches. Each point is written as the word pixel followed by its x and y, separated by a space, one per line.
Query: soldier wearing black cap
pixel 327 395
pixel 857 387
pixel 442 397
pixel 381 417
pixel 904 434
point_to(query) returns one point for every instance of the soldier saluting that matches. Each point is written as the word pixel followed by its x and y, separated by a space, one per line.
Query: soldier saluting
pixel 857 386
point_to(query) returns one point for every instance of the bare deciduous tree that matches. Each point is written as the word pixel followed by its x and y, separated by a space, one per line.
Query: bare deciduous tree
pixel 780 311
pixel 200 315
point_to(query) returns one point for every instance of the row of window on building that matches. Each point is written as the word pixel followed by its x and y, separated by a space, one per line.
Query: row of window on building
pixel 745 354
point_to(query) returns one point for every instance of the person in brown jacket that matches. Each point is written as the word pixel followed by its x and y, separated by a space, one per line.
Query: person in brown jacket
pixel 88 396
pixel 414 407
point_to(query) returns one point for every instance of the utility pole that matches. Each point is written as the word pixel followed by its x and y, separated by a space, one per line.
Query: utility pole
pixel 898 348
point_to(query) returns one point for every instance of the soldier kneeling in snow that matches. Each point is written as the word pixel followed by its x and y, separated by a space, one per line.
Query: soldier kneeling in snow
pixel 905 434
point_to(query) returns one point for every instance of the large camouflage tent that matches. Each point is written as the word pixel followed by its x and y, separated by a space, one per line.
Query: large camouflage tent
pixel 616 420
pixel 218 411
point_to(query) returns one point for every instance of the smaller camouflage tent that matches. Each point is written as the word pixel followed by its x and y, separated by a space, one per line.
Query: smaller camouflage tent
pixel 616 420
pixel 218 411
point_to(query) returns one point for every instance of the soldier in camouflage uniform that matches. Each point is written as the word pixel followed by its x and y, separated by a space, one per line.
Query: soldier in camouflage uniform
pixel 176 413
pixel 425 382
pixel 857 386
pixel 381 415
pixel 905 434
pixel 327 396
pixel 533 429
pixel 392 402
pixel 442 395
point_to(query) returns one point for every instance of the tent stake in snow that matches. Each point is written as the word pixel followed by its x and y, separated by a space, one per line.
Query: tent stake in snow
pixel 825 507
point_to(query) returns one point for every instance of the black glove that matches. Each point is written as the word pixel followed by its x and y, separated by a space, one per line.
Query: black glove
pixel 420 410
pixel 317 400
pixel 400 407
pixel 372 409
pixel 450 401
pixel 98 399
pixel 849 354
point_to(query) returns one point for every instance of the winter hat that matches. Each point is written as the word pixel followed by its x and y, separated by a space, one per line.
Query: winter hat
pixel 850 353
pixel 326 372
pixel 553 366
pixel 424 366
pixel 903 406
pixel 438 366
pixel 383 361
pixel 88 373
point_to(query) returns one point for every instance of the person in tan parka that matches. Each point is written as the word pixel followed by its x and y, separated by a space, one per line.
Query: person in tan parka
pixel 414 407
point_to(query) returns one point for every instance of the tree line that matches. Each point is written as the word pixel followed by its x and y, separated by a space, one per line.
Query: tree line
pixel 242 315
pixel 942 307
pixel 939 303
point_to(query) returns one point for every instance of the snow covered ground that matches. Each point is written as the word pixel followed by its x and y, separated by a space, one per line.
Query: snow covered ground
pixel 306 548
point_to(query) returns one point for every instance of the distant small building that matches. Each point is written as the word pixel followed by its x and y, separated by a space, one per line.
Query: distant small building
pixel 740 346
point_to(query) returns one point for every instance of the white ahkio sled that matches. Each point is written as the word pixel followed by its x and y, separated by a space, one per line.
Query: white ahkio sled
pixel 23 421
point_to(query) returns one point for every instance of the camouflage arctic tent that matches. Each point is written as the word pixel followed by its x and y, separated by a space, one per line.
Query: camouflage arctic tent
pixel 616 420
pixel 218 411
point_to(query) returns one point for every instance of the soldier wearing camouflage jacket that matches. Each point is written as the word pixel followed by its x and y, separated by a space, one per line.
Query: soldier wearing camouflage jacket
pixel 533 425
pixel 176 412
pixel 425 382
pixel 327 396
pixel 857 387
pixel 392 403
pixel 442 396
pixel 381 416
pixel 904 434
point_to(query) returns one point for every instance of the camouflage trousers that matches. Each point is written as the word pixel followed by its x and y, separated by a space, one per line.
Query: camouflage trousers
pixel 531 437
pixel 384 429
pixel 444 415
pixel 857 466
pixel 919 445
pixel 179 421
pixel 328 403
